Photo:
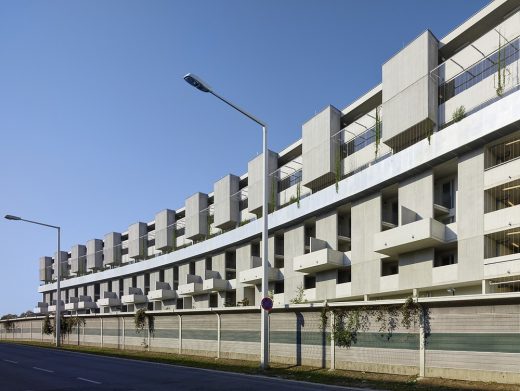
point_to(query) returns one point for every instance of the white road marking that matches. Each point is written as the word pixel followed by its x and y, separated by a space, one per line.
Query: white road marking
pixel 90 381
pixel 42 369
pixel 11 361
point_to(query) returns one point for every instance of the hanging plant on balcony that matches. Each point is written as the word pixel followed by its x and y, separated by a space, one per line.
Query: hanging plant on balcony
pixel 338 164
pixel 378 128
pixel 298 194
pixel 501 69
pixel 272 201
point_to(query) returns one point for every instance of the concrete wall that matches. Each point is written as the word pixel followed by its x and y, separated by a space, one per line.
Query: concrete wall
pixel 137 241
pixel 294 245
pixel 164 230
pixel 78 259
pixel 470 225
pixel 409 94
pixel 366 264
pixel 319 148
pixel 112 249
pixel 327 229
pixel 94 253
pixel 45 269
pixel 255 180
pixel 477 343
pixel 226 213
pixel 196 221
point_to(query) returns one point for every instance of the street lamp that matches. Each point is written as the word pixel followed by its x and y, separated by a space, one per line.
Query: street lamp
pixel 199 84
pixel 58 261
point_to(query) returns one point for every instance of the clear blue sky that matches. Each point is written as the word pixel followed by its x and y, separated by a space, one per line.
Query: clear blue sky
pixel 98 129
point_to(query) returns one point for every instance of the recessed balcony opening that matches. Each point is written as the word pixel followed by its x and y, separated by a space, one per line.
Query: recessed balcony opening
pixel 344 229
pixel 389 208
pixel 310 232
pixel 279 287
pixel 509 284
pixel 213 300
pixel 255 249
pixel 503 196
pixel 209 263
pixel 389 267
pixel 504 151
pixel 231 299
pixel 344 275
pixel 445 256
pixel 146 283
pixel 279 251
pixel 180 304
pixel 503 243
pixel 192 268
pixel 444 192
pixel 309 282
pixel 231 265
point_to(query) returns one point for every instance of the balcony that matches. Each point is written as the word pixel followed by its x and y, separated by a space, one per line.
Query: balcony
pixel 414 236
pixel 254 276
pixel 109 299
pixel 162 292
pixel 41 309
pixel 215 285
pixel 343 290
pixel 321 260
pixel 86 303
pixel 52 308
pixel 134 296
pixel 72 305
pixel 192 287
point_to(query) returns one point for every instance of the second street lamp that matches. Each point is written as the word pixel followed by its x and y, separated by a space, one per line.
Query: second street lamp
pixel 199 84
pixel 58 263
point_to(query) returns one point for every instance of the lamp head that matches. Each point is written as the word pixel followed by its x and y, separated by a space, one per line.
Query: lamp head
pixel 11 217
pixel 197 82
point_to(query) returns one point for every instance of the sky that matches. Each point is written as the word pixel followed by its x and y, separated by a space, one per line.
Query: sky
pixel 98 130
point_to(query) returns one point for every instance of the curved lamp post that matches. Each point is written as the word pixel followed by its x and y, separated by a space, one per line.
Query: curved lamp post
pixel 58 262
pixel 199 84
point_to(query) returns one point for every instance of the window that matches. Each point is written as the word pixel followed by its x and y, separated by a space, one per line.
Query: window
pixel 192 268
pixel 180 304
pixel 213 300
pixel 161 275
pixel 231 299
pixel 389 268
pixel 209 263
pixel 309 282
pixel 290 180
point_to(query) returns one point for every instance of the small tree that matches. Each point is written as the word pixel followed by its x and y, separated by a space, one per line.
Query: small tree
pixel 458 114
pixel 300 296
pixel 47 327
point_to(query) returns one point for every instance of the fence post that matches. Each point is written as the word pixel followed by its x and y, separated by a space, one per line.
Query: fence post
pixel 124 330
pixel 41 330
pixel 180 333
pixel 218 335
pixel 332 342
pixel 148 334
pixel 101 336
pixel 422 345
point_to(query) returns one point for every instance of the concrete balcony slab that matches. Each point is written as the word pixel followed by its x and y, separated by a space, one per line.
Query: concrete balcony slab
pixel 414 236
pixel 318 261
pixel 162 294
pixel 254 276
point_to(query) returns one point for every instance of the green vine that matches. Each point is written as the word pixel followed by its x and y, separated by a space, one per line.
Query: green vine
pixel 47 327
pixel 349 322
pixel 272 202
pixel 378 128
pixel 501 70
pixel 338 164
pixel 140 318
pixel 298 194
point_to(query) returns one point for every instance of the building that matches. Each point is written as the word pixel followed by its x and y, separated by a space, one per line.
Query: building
pixel 413 189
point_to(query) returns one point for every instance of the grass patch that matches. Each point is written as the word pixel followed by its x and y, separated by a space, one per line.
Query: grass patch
pixel 302 373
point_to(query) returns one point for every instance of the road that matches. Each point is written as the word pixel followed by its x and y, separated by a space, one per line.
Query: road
pixel 32 368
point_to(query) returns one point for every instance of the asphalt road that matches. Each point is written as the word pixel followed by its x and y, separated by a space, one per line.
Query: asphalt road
pixel 31 368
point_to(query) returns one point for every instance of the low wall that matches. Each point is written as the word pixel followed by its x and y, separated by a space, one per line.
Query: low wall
pixel 468 342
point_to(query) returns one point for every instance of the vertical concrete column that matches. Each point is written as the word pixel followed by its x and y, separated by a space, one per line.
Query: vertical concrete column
pixel 218 335
pixel 332 342
pixel 180 334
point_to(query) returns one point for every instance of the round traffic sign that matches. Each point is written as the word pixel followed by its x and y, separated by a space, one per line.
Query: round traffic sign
pixel 267 303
